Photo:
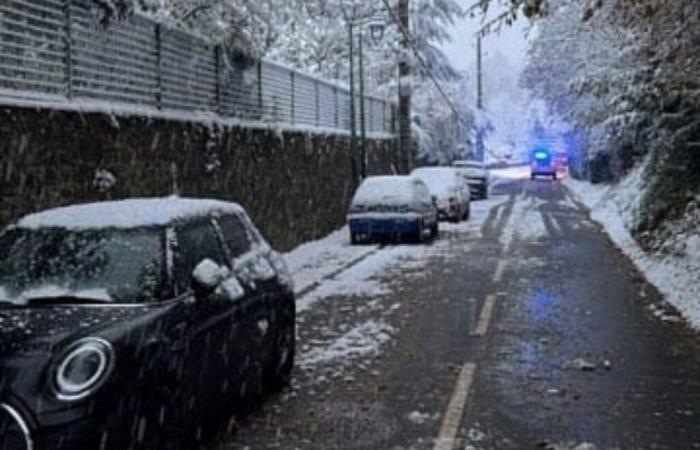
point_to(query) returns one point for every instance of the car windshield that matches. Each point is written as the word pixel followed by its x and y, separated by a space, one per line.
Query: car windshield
pixel 56 265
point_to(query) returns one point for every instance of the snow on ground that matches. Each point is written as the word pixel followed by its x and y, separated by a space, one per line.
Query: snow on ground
pixel 366 279
pixel 312 262
pixel 331 268
pixel 479 213
pixel 363 340
pixel 677 277
pixel 528 219
pixel 502 176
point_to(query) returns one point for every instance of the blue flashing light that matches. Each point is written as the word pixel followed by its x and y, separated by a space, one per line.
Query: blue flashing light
pixel 541 155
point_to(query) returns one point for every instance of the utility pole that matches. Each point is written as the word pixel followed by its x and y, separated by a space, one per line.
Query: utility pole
pixel 353 113
pixel 363 124
pixel 480 153
pixel 405 141
pixel 479 79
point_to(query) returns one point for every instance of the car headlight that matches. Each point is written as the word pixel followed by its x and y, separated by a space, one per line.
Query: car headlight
pixel 83 368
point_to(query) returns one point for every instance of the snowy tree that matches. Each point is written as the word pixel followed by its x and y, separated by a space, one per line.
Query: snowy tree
pixel 624 77
pixel 444 134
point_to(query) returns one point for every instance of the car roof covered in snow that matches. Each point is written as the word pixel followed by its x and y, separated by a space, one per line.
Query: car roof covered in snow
pixel 386 190
pixel 440 180
pixel 125 214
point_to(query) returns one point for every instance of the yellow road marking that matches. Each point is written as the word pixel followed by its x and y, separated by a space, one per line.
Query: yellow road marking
pixel 485 319
pixel 500 270
pixel 453 416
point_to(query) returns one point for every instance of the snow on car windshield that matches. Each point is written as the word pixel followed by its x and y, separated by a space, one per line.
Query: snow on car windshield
pixel 385 192
pixel 120 266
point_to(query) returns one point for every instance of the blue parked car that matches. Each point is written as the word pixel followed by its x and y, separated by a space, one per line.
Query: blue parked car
pixel 393 208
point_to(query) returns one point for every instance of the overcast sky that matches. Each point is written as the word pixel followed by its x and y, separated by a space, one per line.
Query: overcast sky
pixel 511 41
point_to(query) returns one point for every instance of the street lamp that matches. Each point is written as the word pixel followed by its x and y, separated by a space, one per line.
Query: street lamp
pixel 376 28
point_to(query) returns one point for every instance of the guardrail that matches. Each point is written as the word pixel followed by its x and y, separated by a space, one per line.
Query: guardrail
pixel 59 50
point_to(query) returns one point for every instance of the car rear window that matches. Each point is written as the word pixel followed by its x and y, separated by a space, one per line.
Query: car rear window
pixel 385 191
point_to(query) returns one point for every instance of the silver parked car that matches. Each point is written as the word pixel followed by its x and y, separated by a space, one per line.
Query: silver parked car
pixel 450 190
pixel 477 176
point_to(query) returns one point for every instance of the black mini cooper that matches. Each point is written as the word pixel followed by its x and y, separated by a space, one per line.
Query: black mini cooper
pixel 137 324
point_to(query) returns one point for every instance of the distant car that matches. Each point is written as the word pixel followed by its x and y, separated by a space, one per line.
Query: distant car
pixel 392 207
pixel 119 320
pixel 450 190
pixel 477 176
pixel 561 162
pixel 542 164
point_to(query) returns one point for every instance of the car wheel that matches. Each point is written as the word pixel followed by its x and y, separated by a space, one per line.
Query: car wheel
pixel 278 371
pixel 434 230
pixel 417 236
pixel 468 214
pixel 354 238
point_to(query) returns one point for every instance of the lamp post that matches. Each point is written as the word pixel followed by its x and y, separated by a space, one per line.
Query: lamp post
pixel 480 153
pixel 376 28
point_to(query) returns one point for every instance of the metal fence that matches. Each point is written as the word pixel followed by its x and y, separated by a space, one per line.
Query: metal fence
pixel 58 49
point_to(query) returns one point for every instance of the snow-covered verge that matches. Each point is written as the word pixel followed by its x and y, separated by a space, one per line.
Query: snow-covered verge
pixel 314 261
pixel 675 273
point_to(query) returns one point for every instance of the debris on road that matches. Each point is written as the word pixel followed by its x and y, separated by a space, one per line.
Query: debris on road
pixel 582 365
pixel 420 418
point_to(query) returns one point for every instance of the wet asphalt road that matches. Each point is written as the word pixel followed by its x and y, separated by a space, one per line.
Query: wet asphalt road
pixel 485 333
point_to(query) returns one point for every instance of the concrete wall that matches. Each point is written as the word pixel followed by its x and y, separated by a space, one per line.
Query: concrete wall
pixel 296 186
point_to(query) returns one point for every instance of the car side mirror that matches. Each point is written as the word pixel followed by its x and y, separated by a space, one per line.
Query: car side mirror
pixel 206 277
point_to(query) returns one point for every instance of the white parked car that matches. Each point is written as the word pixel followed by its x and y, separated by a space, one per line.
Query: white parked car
pixel 450 190
pixel 392 207
pixel 477 176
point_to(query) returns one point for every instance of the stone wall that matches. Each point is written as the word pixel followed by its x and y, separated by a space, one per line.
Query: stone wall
pixel 296 186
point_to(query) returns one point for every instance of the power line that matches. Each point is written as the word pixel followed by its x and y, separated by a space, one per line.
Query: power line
pixel 426 68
